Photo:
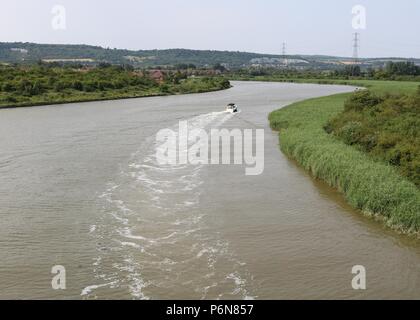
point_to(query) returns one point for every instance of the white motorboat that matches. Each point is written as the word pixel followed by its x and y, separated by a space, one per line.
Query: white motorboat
pixel 232 108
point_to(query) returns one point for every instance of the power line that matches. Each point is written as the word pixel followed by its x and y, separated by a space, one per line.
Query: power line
pixel 284 54
pixel 356 46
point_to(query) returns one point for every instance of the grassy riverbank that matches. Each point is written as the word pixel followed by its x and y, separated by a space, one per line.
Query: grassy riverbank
pixel 378 86
pixel 369 185
pixel 41 85
pixel 385 127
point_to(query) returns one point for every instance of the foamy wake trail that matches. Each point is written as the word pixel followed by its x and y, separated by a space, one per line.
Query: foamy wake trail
pixel 153 241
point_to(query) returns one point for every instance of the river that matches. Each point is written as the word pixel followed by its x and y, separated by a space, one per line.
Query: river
pixel 79 187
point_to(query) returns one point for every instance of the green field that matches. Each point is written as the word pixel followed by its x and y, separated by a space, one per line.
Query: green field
pixel 378 86
pixel 372 186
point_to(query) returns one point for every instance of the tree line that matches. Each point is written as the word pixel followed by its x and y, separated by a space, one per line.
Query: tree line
pixel 35 84
pixel 404 70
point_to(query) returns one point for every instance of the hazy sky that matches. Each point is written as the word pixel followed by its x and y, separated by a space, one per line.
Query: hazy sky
pixel 307 26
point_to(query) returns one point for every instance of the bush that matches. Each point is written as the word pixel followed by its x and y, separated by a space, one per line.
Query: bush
pixel 11 99
pixel 59 86
pixel 8 87
pixel 164 88
pixel 360 100
pixel 385 127
pixel 77 85
pixel 89 86
pixel 351 133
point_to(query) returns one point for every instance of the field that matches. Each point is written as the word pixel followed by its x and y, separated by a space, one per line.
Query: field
pixel 370 185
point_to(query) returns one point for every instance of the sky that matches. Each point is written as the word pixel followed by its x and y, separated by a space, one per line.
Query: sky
pixel 306 26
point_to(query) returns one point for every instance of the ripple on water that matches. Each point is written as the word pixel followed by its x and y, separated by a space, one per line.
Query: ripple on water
pixel 152 238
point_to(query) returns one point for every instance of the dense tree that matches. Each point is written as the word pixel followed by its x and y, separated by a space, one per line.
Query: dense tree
pixel 36 84
pixel 219 67
pixel 78 85
pixel 402 68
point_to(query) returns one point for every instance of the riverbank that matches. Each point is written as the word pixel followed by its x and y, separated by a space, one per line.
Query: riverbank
pixel 115 96
pixel 378 86
pixel 22 86
pixel 375 188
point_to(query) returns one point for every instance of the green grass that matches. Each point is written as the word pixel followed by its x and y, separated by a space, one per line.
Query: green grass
pixel 377 86
pixel 385 127
pixel 373 187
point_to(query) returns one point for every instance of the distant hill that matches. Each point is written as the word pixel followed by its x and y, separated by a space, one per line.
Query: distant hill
pixel 19 52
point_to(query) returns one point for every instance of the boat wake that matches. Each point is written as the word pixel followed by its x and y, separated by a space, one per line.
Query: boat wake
pixel 152 239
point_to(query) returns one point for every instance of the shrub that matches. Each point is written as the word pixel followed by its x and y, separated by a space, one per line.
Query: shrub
pixel 11 99
pixel 351 132
pixel 78 85
pixel 8 87
pixel 361 100
pixel 385 127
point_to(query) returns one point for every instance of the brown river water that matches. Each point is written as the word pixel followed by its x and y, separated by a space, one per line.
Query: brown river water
pixel 79 187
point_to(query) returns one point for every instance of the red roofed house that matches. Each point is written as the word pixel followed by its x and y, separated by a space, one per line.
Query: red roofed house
pixel 157 75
